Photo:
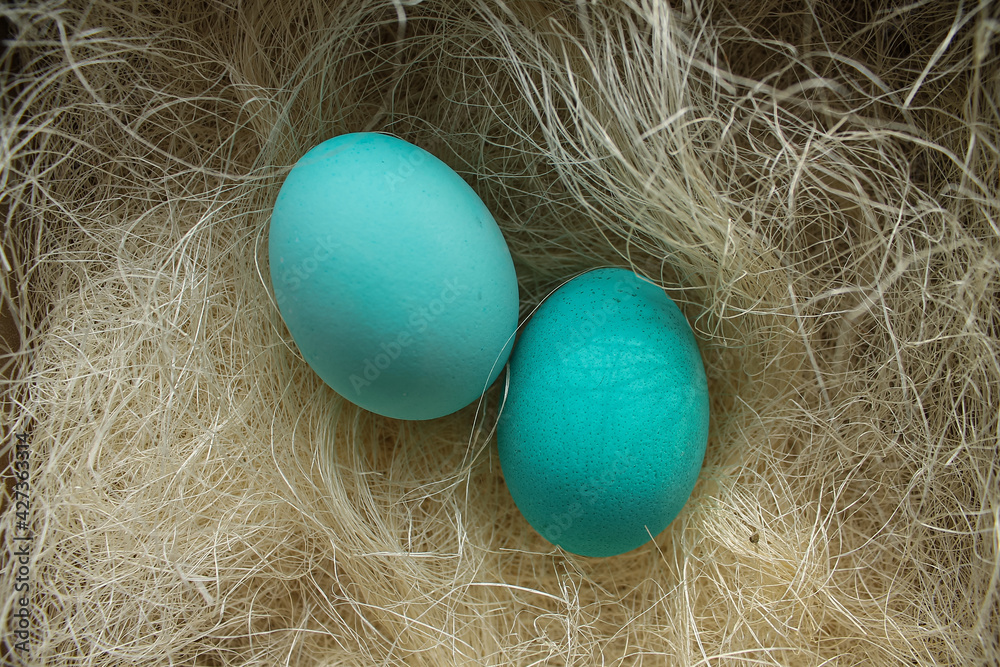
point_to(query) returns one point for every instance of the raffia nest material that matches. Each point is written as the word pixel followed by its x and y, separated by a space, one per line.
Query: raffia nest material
pixel 814 181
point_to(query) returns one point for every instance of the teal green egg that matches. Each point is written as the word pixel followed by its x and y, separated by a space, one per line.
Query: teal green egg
pixel 392 276
pixel 605 421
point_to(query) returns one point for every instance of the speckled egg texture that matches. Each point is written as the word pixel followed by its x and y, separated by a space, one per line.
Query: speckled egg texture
pixel 392 277
pixel 605 421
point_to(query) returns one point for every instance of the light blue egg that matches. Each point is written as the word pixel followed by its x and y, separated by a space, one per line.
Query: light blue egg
pixel 605 422
pixel 392 276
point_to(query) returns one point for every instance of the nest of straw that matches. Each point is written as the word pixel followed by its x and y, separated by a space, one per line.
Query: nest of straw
pixel 814 182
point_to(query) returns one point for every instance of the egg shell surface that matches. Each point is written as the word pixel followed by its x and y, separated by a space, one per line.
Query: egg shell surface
pixel 392 276
pixel 605 422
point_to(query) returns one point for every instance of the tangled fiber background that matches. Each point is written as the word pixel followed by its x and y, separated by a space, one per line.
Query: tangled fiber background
pixel 815 182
